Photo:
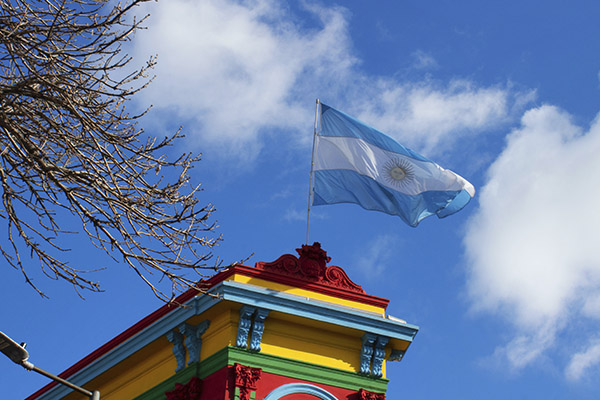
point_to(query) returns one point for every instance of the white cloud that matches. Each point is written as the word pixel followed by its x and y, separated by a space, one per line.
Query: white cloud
pixel 232 71
pixel 233 68
pixel 423 60
pixel 426 116
pixel 591 305
pixel 533 244
pixel 376 255
pixel 294 215
pixel 583 361
pixel 524 349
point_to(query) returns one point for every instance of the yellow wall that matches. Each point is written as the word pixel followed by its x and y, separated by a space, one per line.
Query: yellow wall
pixel 222 331
pixel 155 363
pixel 307 293
pixel 136 374
pixel 311 341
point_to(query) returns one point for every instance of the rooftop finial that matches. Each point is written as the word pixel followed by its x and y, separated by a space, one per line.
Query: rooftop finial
pixel 313 259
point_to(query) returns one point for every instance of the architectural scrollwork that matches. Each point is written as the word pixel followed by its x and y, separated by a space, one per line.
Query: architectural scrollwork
pixel 366 395
pixel 366 353
pixel 311 266
pixel 379 355
pixel 246 379
pixel 244 325
pixel 187 339
pixel 178 348
pixel 258 326
pixel 396 355
pixel 193 338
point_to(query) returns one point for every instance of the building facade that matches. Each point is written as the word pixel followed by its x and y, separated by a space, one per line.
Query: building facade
pixel 290 329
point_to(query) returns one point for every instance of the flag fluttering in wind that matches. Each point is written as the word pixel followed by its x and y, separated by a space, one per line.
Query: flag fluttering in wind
pixel 354 163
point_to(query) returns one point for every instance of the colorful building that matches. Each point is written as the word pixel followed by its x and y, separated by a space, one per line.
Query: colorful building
pixel 290 329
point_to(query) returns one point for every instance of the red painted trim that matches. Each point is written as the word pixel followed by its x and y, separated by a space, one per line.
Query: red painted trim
pixel 209 283
pixel 315 287
pixel 221 385
pixel 117 340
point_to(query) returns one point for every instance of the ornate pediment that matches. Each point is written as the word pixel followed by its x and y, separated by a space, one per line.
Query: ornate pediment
pixel 312 267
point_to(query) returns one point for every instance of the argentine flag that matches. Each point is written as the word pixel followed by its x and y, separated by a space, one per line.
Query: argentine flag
pixel 354 163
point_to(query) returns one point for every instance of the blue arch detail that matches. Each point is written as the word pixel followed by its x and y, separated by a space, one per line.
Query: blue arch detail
pixel 305 388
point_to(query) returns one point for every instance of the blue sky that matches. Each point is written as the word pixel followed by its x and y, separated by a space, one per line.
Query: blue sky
pixel 505 93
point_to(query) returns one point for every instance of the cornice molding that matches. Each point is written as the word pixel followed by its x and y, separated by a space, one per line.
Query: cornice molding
pixel 315 310
pixel 142 334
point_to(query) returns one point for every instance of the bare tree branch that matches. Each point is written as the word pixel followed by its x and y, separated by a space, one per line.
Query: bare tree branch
pixel 67 145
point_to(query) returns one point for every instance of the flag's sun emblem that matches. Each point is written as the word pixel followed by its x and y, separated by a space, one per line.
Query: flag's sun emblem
pixel 398 172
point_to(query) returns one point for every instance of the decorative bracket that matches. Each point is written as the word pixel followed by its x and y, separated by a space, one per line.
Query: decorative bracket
pixel 372 354
pixel 252 324
pixel 366 353
pixel 193 339
pixel 397 355
pixel 178 348
pixel 379 355
pixel 258 326
pixel 244 325
pixel 193 342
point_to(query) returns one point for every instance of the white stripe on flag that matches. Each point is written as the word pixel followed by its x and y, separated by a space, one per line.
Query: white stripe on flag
pixel 347 153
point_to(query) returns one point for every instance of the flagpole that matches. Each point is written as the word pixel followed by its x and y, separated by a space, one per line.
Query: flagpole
pixel 312 172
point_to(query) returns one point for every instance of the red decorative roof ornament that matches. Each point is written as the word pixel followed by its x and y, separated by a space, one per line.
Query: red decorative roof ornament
pixel 313 260
pixel 312 267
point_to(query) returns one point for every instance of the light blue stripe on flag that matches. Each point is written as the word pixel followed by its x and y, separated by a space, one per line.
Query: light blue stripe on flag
pixel 355 163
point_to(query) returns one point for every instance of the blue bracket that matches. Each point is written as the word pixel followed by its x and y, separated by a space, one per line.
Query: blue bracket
pixel 258 326
pixel 193 342
pixel 178 348
pixel 193 338
pixel 252 324
pixel 379 355
pixel 244 325
pixel 372 354
pixel 397 355
pixel 366 353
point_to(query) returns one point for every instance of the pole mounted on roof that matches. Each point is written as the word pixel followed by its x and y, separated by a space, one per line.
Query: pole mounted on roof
pixel 312 172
